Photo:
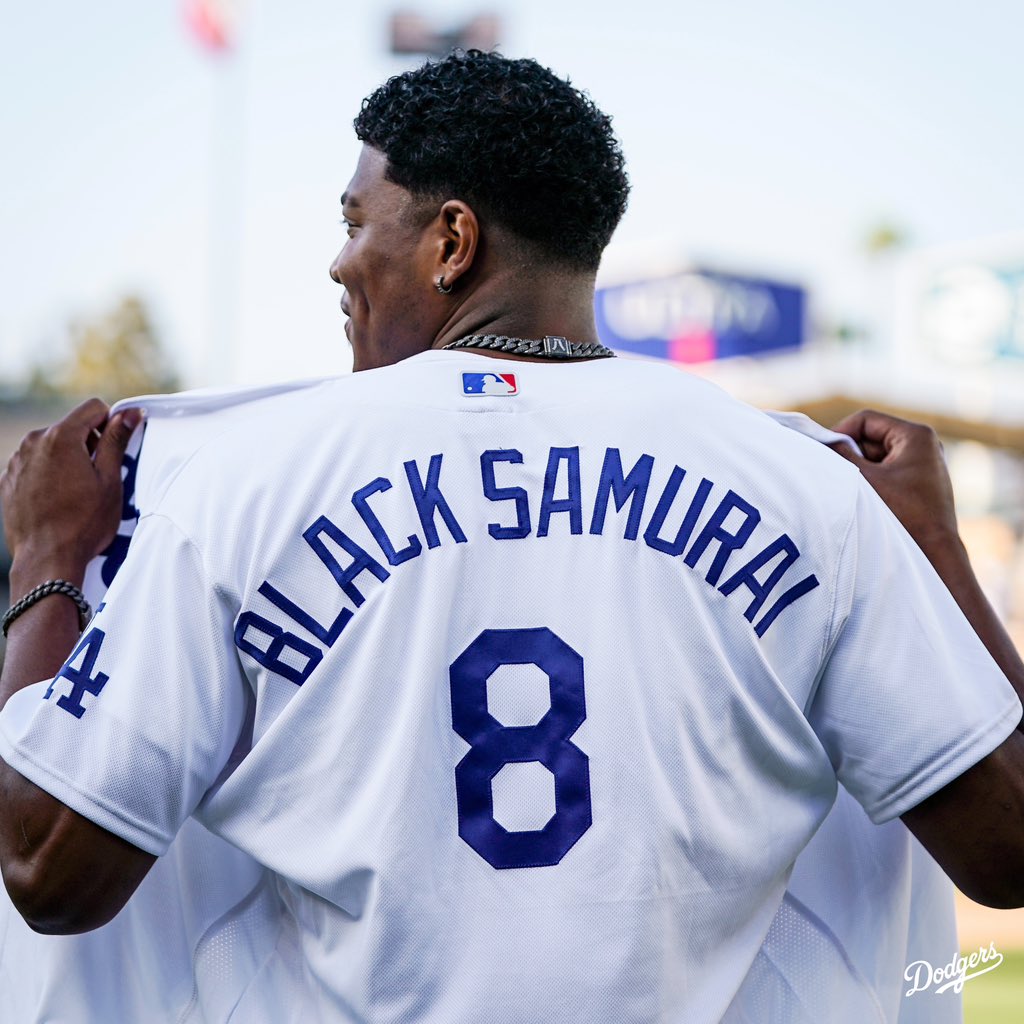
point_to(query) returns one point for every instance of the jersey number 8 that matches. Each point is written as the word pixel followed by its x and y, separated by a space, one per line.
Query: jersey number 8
pixel 494 745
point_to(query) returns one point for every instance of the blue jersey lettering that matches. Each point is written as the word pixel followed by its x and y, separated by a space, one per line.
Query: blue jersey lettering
pixel 82 679
pixel 361 501
pixel 573 502
pixel 429 499
pixel 728 542
pixel 631 488
pixel 495 493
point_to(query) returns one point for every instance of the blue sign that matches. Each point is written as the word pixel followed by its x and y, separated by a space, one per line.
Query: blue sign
pixel 700 315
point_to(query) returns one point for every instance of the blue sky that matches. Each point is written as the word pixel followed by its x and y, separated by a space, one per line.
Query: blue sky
pixel 760 137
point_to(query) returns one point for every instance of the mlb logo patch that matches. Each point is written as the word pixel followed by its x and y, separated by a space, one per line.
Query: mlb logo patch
pixel 501 384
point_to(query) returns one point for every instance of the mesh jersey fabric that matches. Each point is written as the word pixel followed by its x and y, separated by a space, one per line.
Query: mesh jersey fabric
pixel 726 775
pixel 863 903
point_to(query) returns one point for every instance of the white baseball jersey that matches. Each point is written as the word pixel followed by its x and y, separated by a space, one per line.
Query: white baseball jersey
pixel 527 681
pixel 863 899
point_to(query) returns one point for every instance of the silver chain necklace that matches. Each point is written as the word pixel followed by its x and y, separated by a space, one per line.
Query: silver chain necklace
pixel 549 347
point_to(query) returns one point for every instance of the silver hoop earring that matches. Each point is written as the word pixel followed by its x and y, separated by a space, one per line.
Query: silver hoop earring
pixel 441 287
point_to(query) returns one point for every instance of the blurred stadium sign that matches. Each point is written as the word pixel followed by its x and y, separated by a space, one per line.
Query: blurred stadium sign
pixel 964 306
pixel 412 33
pixel 699 315
pixel 956 345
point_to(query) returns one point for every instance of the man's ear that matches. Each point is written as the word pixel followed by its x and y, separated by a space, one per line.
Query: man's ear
pixel 457 240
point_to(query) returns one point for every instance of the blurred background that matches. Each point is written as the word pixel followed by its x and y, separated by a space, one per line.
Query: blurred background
pixel 826 213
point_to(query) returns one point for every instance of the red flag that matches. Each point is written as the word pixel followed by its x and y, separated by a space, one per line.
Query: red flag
pixel 212 22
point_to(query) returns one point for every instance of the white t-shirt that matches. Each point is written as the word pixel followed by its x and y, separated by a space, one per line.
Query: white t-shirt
pixel 527 681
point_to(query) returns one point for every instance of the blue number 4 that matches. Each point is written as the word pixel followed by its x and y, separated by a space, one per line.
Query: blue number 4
pixel 82 679
pixel 494 745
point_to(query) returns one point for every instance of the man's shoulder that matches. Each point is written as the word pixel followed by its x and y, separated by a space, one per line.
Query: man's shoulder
pixel 212 425
pixel 786 447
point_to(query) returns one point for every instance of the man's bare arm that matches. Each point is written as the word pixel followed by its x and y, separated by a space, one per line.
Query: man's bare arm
pixel 974 826
pixel 61 503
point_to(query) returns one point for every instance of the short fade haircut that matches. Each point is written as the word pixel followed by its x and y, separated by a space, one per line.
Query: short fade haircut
pixel 512 139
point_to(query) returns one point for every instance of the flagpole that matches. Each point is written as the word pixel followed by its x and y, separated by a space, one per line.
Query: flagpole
pixel 213 25
pixel 225 222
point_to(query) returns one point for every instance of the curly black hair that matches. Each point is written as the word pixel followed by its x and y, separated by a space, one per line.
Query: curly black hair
pixel 513 140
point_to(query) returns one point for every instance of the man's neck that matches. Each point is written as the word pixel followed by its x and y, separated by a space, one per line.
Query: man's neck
pixel 526 306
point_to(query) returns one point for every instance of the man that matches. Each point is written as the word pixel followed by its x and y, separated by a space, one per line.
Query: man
pixel 528 697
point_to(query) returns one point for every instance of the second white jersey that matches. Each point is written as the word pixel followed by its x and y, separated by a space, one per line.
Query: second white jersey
pixel 544 677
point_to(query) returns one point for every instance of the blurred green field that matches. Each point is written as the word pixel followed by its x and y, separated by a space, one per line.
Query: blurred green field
pixel 998 997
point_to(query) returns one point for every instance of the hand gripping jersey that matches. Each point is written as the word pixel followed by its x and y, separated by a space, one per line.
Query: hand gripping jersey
pixel 529 698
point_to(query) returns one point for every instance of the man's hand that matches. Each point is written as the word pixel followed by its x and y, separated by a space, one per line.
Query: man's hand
pixel 903 462
pixel 61 494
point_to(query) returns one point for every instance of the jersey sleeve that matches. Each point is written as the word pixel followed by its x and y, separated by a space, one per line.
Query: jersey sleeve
pixel 909 698
pixel 143 719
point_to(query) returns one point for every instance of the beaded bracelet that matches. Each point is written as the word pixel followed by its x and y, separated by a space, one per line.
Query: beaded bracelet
pixel 44 590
